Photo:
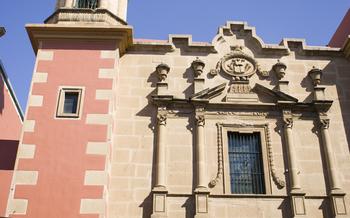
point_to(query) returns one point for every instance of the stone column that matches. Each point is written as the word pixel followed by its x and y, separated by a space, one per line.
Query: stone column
pixel 161 151
pixel 160 191
pixel 200 152
pixel 296 194
pixel 201 192
pixel 336 193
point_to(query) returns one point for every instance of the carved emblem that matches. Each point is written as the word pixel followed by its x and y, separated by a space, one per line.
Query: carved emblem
pixel 236 64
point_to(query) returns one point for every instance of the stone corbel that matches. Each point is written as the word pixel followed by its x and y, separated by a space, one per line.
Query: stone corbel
pixel 162 73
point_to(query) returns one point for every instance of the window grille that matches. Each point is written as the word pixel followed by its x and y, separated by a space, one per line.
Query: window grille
pixel 92 4
pixel 246 165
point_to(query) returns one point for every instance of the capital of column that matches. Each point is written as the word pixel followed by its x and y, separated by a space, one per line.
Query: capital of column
pixel 288 122
pixel 161 118
pixel 324 123
pixel 200 120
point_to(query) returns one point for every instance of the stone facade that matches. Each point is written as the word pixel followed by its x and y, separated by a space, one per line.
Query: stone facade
pixel 151 139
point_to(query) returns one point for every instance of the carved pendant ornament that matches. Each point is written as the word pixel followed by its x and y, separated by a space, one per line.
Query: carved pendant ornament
pixel 237 64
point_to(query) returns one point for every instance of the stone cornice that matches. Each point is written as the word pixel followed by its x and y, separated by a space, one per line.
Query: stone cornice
pixel 39 32
pixel 84 15
pixel 232 27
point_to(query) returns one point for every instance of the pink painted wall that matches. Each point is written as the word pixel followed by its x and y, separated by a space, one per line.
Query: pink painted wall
pixel 342 32
pixel 10 129
pixel 60 156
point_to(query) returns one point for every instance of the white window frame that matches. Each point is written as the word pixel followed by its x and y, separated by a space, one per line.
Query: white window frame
pixel 60 102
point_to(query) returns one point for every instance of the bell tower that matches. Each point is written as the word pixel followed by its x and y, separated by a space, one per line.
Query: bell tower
pixel 95 12
pixel 63 162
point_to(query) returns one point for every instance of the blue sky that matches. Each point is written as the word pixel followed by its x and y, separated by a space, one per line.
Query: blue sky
pixel 314 20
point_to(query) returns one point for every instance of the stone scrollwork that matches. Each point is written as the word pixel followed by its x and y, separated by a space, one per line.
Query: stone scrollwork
pixel 278 181
pixel 200 120
pixel 324 123
pixel 220 172
pixel 288 122
pixel 162 117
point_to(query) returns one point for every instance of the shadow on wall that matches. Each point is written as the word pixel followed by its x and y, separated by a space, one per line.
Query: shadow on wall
pixel 8 153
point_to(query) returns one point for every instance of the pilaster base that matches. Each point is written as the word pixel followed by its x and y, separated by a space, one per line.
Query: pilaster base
pixel 159 202
pixel 298 203
pixel 338 203
pixel 202 205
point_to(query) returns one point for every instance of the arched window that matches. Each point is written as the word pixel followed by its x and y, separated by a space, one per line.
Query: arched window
pixel 92 4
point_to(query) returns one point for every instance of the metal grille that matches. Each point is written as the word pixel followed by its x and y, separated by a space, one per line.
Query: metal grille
pixel 246 166
pixel 92 4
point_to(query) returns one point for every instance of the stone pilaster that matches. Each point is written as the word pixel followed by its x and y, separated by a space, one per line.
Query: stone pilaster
pixel 201 192
pixel 336 193
pixel 296 194
pixel 160 190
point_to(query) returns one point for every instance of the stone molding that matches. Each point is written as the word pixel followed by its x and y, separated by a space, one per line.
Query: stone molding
pixel 278 181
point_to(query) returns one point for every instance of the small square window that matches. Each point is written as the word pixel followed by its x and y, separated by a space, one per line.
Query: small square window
pixel 69 103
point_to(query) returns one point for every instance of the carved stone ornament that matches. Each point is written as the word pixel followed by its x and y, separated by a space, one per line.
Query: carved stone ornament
pixel 288 122
pixel 316 75
pixel 220 171
pixel 280 69
pixel 324 123
pixel 162 71
pixel 162 119
pixel 197 67
pixel 237 64
pixel 200 120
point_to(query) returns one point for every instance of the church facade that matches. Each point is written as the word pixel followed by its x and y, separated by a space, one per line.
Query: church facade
pixel 120 127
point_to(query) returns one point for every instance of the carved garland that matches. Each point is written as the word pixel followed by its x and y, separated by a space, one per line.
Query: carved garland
pixel 278 181
pixel 220 158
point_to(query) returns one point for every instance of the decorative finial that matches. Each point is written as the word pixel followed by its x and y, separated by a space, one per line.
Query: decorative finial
pixel 162 70
pixel 316 75
pixel 198 66
pixel 280 69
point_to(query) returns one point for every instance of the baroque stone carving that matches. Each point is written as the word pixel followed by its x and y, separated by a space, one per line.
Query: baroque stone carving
pixel 316 75
pixel 200 120
pixel 278 181
pixel 231 113
pixel 236 64
pixel 280 69
pixel 162 119
pixel 324 123
pixel 162 71
pixel 288 122
pixel 240 88
pixel 197 67
pixel 220 172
